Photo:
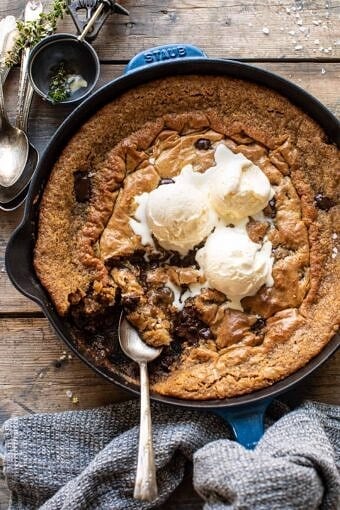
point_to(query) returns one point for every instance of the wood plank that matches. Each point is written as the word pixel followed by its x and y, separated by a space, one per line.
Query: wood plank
pixel 4 492
pixel 34 378
pixel 36 370
pixel 222 28
pixel 321 80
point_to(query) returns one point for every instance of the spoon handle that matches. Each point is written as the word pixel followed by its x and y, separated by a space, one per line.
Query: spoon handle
pixel 22 117
pixel 22 87
pixel 146 483
pixel 3 114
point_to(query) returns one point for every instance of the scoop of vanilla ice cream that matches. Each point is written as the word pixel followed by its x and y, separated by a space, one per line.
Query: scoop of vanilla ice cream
pixel 179 215
pixel 238 188
pixel 235 265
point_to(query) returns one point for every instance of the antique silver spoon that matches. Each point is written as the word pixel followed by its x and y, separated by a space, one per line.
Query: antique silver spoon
pixel 17 156
pixel 134 348
pixel 13 147
pixel 13 142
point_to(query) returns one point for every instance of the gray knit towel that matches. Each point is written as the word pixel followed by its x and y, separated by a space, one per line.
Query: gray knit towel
pixel 86 460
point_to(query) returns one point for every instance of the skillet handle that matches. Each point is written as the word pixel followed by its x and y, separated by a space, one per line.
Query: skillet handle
pixel 18 262
pixel 247 422
pixel 163 53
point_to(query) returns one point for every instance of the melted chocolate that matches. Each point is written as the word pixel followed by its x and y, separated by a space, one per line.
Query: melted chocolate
pixel 187 260
pixel 169 355
pixel 130 302
pixel 189 326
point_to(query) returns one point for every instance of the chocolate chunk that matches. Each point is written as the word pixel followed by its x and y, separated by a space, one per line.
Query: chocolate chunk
pixel 175 259
pixel 323 202
pixel 258 325
pixel 187 312
pixel 162 296
pixel 165 363
pixel 168 357
pixel 166 360
pixel 205 333
pixel 203 144
pixel 189 326
pixel 157 258
pixel 137 258
pixel 166 181
pixel 176 347
pixel 270 209
pixel 130 302
pixel 82 186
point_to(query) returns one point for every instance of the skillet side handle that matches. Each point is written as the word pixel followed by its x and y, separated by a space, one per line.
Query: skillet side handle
pixel 18 262
pixel 163 53
pixel 247 422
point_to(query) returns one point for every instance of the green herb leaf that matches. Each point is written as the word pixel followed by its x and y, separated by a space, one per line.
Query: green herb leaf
pixel 59 89
pixel 31 32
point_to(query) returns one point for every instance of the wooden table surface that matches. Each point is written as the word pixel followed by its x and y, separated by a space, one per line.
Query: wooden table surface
pixel 298 40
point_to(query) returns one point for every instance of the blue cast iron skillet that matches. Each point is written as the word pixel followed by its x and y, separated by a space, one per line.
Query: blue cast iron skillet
pixel 245 413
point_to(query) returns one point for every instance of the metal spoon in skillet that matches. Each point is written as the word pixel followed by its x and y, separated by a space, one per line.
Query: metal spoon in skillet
pixel 135 349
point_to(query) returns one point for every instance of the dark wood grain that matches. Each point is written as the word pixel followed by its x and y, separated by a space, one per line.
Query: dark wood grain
pixel 37 370
pixel 221 28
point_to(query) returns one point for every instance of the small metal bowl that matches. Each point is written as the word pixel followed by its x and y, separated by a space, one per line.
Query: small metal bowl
pixel 50 52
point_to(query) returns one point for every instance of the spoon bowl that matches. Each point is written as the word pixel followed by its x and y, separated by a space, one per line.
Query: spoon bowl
pixel 9 194
pixel 18 157
pixel 137 350
pixel 132 345
pixel 15 202
pixel 14 148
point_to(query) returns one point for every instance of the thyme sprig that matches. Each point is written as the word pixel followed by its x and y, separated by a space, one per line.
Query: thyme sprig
pixel 31 32
pixel 59 89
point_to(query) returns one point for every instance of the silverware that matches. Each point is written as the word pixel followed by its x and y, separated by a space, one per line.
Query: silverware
pixel 13 147
pixel 8 35
pixel 13 142
pixel 24 155
pixel 135 349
